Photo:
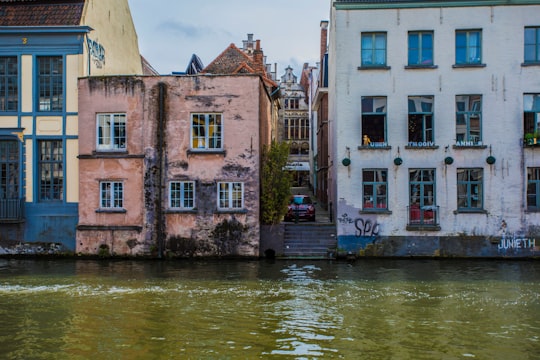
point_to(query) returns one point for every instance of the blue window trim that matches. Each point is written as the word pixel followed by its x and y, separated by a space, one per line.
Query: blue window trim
pixel 469 194
pixel 373 185
pixel 421 34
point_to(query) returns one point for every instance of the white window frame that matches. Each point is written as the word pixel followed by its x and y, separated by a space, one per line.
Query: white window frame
pixel 226 192
pixel 113 143
pixel 179 195
pixel 113 196
pixel 205 142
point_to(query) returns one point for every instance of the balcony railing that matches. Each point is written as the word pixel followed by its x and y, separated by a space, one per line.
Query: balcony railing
pixel 423 216
pixel 11 210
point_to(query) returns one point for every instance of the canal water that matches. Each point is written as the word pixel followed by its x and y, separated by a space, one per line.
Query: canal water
pixel 368 309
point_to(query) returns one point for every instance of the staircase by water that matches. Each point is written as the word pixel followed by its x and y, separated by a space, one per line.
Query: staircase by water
pixel 309 240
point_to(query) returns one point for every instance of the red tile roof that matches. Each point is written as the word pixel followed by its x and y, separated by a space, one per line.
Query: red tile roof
pixel 41 12
pixel 234 61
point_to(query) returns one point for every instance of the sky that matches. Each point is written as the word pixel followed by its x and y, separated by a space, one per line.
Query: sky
pixel 171 31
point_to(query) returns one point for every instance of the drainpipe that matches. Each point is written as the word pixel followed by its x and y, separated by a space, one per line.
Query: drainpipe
pixel 160 150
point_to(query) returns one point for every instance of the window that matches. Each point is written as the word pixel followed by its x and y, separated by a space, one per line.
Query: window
pixel 531 116
pixel 296 129
pixel 421 121
pixel 375 185
pixel 374 49
pixel 9 170
pixel 292 103
pixel 468 47
pixel 374 119
pixel 111 130
pixel 420 48
pixel 469 189
pixel 230 195
pixel 111 195
pixel 533 189
pixel 468 120
pixel 206 131
pixel 182 194
pixel 50 170
pixel 9 86
pixel 50 83
pixel 422 208
pixel 532 44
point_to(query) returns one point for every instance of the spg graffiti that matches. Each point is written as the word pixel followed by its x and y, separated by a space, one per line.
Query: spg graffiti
pixel 364 227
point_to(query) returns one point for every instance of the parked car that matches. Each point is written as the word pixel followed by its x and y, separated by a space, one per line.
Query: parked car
pixel 300 208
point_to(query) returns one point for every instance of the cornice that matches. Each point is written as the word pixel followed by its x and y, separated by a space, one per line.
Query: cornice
pixel 412 4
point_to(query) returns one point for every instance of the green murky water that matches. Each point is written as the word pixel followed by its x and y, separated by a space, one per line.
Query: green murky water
pixel 380 309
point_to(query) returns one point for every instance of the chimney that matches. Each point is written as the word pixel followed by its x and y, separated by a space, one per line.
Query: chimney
pixel 324 37
pixel 258 58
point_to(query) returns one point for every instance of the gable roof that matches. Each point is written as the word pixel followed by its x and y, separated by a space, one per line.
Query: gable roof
pixel 41 12
pixel 235 61
pixel 228 61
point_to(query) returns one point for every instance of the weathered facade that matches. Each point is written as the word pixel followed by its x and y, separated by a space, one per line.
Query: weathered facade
pixel 44 47
pixel 429 106
pixel 169 166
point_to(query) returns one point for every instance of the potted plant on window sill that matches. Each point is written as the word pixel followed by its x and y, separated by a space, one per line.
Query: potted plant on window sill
pixel 531 138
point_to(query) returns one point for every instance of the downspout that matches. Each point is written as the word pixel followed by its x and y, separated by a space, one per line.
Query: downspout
pixel 160 146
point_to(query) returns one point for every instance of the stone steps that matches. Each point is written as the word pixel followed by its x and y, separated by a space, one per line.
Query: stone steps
pixel 309 240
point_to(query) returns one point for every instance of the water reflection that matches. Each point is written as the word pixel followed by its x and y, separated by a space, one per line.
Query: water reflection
pixel 400 309
pixel 306 318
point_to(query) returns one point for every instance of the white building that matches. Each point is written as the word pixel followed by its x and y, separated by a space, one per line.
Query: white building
pixel 429 104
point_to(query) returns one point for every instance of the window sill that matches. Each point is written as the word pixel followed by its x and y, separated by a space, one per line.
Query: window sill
pixel 375 211
pixel 109 228
pixel 421 67
pixel 527 64
pixel 423 227
pixel 532 210
pixel 463 66
pixel 231 211
pixel 181 211
pixel 470 211
pixel 421 147
pixel 375 146
pixel 111 211
pixel 110 155
pixel 206 152
pixel 375 67
pixel 480 146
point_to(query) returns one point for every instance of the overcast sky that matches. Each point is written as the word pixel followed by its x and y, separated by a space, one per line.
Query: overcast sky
pixel 171 31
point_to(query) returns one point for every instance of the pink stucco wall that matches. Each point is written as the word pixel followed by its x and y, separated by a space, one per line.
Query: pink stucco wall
pixel 146 224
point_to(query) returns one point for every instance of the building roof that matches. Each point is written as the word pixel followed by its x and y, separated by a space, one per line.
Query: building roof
pixel 374 4
pixel 41 12
pixel 235 61
pixel 229 61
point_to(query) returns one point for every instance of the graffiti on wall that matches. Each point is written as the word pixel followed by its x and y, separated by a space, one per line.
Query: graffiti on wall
pixel 513 241
pixel 363 227
pixel 97 52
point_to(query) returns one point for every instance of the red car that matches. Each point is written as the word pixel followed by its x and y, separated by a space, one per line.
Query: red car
pixel 300 207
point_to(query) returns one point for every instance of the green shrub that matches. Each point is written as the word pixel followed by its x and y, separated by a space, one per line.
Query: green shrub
pixel 275 183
